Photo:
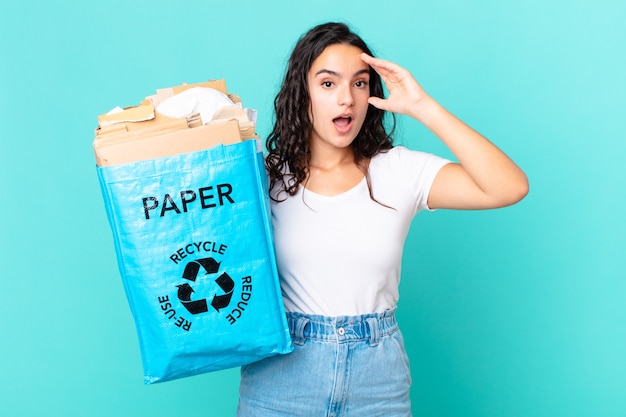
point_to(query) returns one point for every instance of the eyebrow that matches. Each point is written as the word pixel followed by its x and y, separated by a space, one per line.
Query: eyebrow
pixel 336 74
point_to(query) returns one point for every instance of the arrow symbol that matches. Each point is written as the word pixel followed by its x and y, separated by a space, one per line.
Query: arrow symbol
pixel 210 266
pixel 196 307
pixel 227 284
pixel 224 281
pixel 184 292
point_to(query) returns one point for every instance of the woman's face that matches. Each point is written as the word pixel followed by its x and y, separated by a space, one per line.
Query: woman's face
pixel 338 84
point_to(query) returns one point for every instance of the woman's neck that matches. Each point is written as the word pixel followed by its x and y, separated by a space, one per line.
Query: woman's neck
pixel 333 173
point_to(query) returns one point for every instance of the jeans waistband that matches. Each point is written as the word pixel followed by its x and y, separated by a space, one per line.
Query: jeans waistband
pixel 341 329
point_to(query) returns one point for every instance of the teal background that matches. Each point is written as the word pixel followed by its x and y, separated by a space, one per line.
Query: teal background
pixel 515 312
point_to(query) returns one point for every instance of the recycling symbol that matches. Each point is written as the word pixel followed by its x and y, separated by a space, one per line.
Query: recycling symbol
pixel 224 281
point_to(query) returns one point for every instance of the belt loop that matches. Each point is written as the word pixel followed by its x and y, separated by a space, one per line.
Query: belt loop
pixel 298 336
pixel 374 325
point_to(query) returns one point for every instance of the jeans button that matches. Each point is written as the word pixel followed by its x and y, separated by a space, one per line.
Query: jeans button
pixel 341 331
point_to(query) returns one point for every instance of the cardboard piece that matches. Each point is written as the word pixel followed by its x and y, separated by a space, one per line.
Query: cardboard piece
pixel 139 113
pixel 246 127
pixel 138 146
pixel 165 93
pixel 140 132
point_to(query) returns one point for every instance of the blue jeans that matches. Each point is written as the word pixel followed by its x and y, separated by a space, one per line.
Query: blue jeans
pixel 340 367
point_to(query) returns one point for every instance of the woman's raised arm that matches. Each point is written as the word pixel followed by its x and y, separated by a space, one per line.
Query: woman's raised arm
pixel 485 177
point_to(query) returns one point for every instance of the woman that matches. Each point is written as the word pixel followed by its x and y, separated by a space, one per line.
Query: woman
pixel 343 198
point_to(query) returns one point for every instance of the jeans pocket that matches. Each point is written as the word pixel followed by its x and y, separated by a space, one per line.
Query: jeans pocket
pixel 398 342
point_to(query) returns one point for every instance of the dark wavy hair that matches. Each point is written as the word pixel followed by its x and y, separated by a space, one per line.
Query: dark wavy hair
pixel 288 144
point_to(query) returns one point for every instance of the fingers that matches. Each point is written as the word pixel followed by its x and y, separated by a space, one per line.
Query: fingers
pixel 380 65
pixel 392 74
pixel 368 59
pixel 377 62
pixel 403 89
pixel 378 102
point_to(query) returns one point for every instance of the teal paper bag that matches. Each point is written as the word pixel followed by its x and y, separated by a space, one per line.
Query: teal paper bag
pixel 194 247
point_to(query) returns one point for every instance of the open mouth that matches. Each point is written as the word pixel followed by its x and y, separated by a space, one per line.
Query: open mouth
pixel 342 123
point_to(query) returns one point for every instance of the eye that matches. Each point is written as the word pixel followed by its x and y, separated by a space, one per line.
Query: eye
pixel 360 84
pixel 327 84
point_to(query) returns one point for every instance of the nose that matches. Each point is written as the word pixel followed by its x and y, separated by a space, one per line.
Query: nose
pixel 345 96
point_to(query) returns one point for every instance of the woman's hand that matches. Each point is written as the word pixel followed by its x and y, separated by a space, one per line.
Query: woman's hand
pixel 406 96
pixel 484 177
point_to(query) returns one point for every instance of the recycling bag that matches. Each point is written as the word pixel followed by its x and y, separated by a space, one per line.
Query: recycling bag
pixel 194 247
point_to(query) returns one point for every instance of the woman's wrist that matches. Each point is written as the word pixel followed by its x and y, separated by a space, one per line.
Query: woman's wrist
pixel 425 110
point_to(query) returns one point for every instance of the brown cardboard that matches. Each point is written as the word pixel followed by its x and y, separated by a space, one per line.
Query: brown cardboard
pixel 129 114
pixel 159 121
pixel 146 147
pixel 141 133
pixel 165 93
pixel 246 127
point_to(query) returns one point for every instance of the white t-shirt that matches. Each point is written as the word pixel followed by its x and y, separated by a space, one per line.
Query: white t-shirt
pixel 341 255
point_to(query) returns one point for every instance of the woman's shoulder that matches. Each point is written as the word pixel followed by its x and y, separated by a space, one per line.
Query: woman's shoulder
pixel 409 163
pixel 400 154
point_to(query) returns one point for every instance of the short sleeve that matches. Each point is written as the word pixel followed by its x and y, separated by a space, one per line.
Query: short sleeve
pixel 406 176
